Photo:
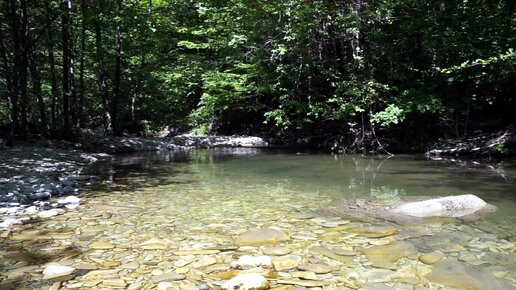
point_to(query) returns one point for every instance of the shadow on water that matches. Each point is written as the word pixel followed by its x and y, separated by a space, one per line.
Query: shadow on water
pixel 335 176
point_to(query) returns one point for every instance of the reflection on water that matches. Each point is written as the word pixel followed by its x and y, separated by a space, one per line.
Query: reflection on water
pixel 177 217
pixel 332 176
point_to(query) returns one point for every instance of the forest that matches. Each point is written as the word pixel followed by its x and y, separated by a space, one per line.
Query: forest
pixel 355 74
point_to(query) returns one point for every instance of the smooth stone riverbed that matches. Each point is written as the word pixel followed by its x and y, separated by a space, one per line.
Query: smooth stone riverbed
pixel 180 225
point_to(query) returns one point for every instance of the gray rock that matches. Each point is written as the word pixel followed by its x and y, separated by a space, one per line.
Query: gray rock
pixel 395 210
pixel 450 206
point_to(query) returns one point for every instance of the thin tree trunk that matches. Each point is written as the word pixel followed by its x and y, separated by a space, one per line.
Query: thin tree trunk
pixel 52 67
pixel 22 69
pixel 14 23
pixel 36 91
pixel 80 109
pixel 103 78
pixel 66 6
pixel 118 69
pixel 53 84
pixel 8 83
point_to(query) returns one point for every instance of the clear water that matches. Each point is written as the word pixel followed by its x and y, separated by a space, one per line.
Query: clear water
pixel 205 199
pixel 329 177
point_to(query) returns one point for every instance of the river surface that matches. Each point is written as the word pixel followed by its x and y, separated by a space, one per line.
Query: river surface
pixel 181 219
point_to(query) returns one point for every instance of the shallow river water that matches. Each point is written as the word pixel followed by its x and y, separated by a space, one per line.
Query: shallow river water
pixel 181 220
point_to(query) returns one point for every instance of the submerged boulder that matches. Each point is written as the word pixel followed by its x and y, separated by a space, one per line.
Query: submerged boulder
pixel 460 275
pixel 450 206
pixel 411 209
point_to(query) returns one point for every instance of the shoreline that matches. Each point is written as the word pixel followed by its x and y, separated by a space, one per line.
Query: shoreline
pixel 35 174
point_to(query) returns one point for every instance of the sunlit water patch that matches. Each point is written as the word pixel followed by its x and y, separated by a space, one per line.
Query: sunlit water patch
pixel 183 219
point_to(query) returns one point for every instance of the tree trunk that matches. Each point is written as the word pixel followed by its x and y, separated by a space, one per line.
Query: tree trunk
pixel 22 69
pixel 118 69
pixel 80 109
pixel 36 91
pixel 66 6
pixel 8 83
pixel 52 68
pixel 103 79
pixel 14 23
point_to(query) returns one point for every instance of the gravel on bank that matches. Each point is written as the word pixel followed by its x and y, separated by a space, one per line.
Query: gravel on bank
pixel 33 174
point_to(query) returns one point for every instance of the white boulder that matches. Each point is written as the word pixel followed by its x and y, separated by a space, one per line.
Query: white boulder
pixel 70 202
pixel 246 282
pixel 55 269
pixel 50 213
pixel 450 206
pixel 9 222
pixel 248 262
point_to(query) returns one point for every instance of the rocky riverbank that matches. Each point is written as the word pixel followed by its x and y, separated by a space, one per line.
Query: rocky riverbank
pixel 35 172
pixel 32 175
pixel 94 142
pixel 477 144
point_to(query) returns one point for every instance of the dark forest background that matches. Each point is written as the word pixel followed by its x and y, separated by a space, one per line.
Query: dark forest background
pixel 358 73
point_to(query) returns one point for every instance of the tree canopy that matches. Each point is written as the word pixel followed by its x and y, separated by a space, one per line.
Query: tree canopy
pixel 359 71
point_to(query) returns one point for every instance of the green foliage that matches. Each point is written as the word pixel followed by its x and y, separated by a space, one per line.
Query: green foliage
pixel 501 148
pixel 203 64
pixel 391 115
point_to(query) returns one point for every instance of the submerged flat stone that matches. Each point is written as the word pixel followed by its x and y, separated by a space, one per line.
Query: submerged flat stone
pixel 305 283
pixel 460 275
pixel 390 253
pixel 101 245
pixel 167 277
pixel 316 268
pixel 277 251
pixel 195 252
pixel 261 237
pixel 431 258
pixel 286 262
pixel 204 261
pixel 329 253
pixel 376 231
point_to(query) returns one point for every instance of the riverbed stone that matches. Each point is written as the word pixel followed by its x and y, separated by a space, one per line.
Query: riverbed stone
pixel 390 253
pixel 460 275
pixel 167 277
pixel 50 213
pixel 316 268
pixel 327 252
pixel 431 258
pixel 287 262
pixel 305 275
pixel 101 245
pixel 196 252
pixel 304 283
pixel 58 270
pixel 204 261
pixel 247 262
pixel 376 231
pixel 261 237
pixel 246 282
pixel 277 251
